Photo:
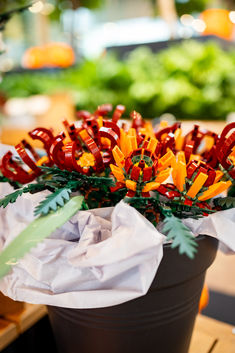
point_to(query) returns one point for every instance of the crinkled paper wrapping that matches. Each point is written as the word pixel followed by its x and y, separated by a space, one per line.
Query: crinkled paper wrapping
pixel 220 225
pixel 99 258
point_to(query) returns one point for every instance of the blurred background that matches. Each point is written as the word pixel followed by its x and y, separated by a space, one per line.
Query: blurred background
pixel 156 56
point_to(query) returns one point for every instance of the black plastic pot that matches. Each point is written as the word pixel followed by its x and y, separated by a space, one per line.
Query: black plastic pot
pixel 160 322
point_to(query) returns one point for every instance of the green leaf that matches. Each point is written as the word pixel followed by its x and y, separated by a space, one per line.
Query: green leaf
pixel 185 211
pixel 180 235
pixel 15 184
pixel 37 231
pixel 231 190
pixel 3 179
pixel 11 198
pixel 225 202
pixel 62 177
pixel 34 188
pixel 53 201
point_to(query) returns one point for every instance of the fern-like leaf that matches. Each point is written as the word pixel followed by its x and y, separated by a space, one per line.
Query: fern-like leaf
pixel 180 235
pixel 53 201
pixel 11 198
pixel 225 202
pixel 61 177
pixel 34 188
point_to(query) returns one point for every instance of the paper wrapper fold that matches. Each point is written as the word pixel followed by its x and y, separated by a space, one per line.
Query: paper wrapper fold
pixel 220 225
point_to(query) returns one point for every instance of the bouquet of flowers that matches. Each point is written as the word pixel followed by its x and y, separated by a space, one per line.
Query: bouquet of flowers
pixel 103 161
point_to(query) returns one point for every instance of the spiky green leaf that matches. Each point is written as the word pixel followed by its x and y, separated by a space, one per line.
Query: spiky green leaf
pixel 225 202
pixel 180 235
pixel 11 198
pixel 53 201
pixel 62 177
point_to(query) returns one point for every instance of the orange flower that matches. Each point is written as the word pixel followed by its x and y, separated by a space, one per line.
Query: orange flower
pixel 137 168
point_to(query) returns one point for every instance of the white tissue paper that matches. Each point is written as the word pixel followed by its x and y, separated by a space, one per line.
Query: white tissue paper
pixel 101 257
pixel 220 225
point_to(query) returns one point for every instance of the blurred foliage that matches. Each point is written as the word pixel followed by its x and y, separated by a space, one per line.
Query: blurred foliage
pixel 9 8
pixel 191 80
pixel 190 6
pixel 6 6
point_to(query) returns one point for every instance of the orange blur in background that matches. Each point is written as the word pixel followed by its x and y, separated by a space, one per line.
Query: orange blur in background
pixel 218 23
pixel 204 300
pixel 49 55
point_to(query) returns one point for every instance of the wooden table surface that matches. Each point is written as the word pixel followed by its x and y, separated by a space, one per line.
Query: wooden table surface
pixel 212 336
pixel 220 276
pixel 12 325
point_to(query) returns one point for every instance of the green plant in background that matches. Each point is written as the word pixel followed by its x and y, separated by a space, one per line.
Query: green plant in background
pixel 7 10
pixel 190 6
pixel 191 80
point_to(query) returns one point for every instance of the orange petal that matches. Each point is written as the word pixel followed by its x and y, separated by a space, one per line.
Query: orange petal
pixel 163 175
pixel 218 176
pixel 117 172
pixel 152 144
pixel 197 185
pixel 166 160
pixel 215 190
pixel 123 142
pixel 182 174
pixel 150 186
pixel 130 184
pixel 118 156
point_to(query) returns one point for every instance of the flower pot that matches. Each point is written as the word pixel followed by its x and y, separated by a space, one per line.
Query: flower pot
pixel 161 321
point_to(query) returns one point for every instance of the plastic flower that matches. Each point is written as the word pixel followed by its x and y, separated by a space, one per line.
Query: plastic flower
pixel 193 182
pixel 137 167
